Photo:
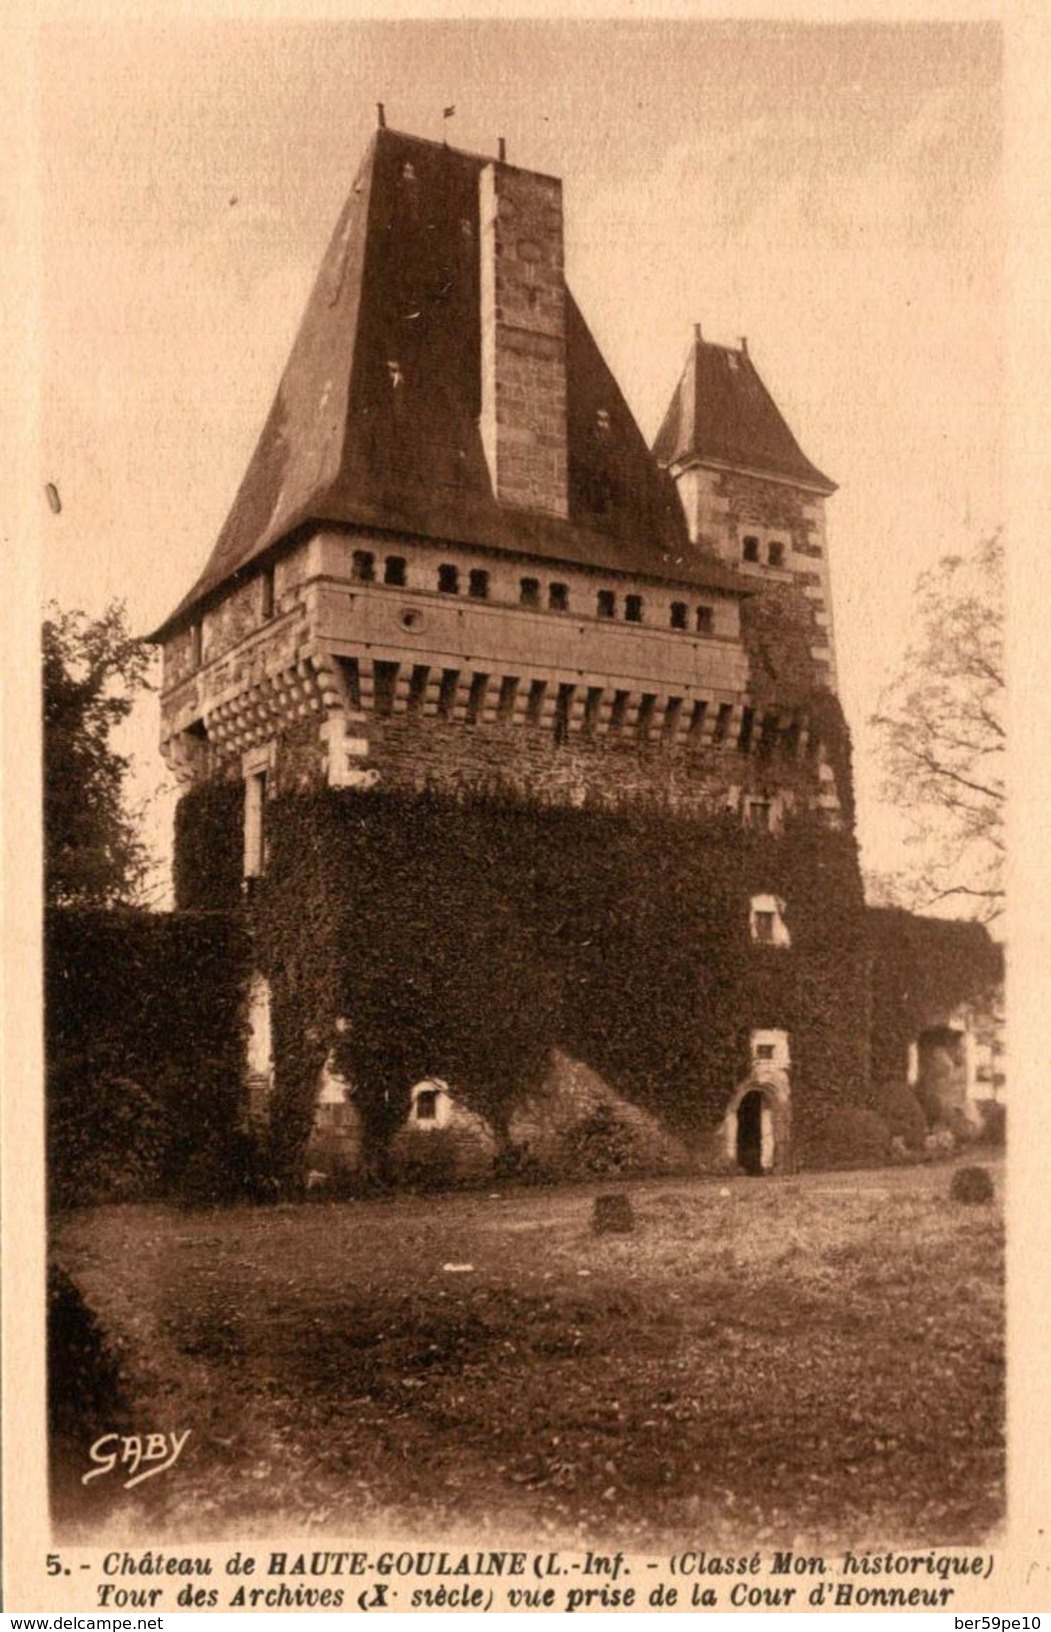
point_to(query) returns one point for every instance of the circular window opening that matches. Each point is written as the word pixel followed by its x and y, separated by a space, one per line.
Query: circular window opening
pixel 412 619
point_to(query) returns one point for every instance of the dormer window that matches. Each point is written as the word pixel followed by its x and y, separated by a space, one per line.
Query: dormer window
pixel 394 571
pixel 448 579
pixel 750 549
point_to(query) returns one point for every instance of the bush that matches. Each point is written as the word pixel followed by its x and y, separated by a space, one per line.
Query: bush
pixel 107 1135
pixel 425 1160
pixel 602 1143
pixel 853 1137
pixel 896 1105
pixel 972 1185
pixel 993 1130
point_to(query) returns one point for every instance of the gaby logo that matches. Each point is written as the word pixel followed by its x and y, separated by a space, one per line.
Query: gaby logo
pixel 153 1453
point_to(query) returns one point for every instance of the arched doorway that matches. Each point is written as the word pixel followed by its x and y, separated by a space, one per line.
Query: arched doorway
pixel 750 1132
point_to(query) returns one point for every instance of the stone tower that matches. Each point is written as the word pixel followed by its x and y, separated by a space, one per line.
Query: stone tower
pixel 455 571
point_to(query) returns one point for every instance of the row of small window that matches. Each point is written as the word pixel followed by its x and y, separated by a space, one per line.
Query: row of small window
pixel 775 551
pixel 530 591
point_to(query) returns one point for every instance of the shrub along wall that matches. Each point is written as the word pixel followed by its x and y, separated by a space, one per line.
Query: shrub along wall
pixel 144 1034
pixel 464 940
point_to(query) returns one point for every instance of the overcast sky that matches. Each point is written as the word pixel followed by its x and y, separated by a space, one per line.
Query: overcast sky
pixel 833 193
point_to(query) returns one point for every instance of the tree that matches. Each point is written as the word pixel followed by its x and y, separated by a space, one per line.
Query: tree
pixel 944 734
pixel 92 671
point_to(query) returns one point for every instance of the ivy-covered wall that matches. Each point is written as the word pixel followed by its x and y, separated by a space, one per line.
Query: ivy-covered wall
pixel 466 939
pixel 144 1049
pixel 922 970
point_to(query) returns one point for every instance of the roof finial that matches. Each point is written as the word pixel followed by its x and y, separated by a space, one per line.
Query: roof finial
pixel 501 149
pixel 381 117
pixel 697 335
pixel 744 345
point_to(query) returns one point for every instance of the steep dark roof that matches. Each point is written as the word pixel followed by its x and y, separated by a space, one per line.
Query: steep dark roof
pixel 400 283
pixel 721 410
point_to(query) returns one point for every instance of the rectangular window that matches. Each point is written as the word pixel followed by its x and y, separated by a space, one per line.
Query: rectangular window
pixel 722 722
pixel 647 709
pixel 478 584
pixel 558 597
pixel 764 927
pixel 705 620
pixel 529 591
pixel 618 713
pixel 633 608
pixel 394 571
pixel 679 614
pixel 267 606
pixel 757 813
pixel 448 579
pixel 427 1105
pixel 776 553
pixel 363 566
pixel 592 709
pixel 744 740
pixel 195 645
pixel 764 1051
pixel 750 549
pixel 255 825
pixel 698 717
pixel 607 604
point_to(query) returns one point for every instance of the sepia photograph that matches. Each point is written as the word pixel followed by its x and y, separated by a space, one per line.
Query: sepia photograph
pixel 522 601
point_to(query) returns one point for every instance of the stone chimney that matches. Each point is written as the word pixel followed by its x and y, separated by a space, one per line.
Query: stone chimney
pixel 523 419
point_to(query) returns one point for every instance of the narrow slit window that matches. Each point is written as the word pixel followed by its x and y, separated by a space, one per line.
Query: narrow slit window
pixel 647 709
pixel 705 620
pixel 352 676
pixel 363 566
pixel 768 735
pixel 722 722
pixel 679 614
pixel 448 579
pixel 529 592
pixel 447 692
pixel 478 584
pixel 394 571
pixel 558 597
pixel 697 718
pixel 195 645
pixel 268 593
pixel 744 740
pixel 255 825
pixel 633 608
pixel 607 604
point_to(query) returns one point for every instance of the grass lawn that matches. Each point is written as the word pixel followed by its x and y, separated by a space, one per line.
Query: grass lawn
pixel 816 1359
